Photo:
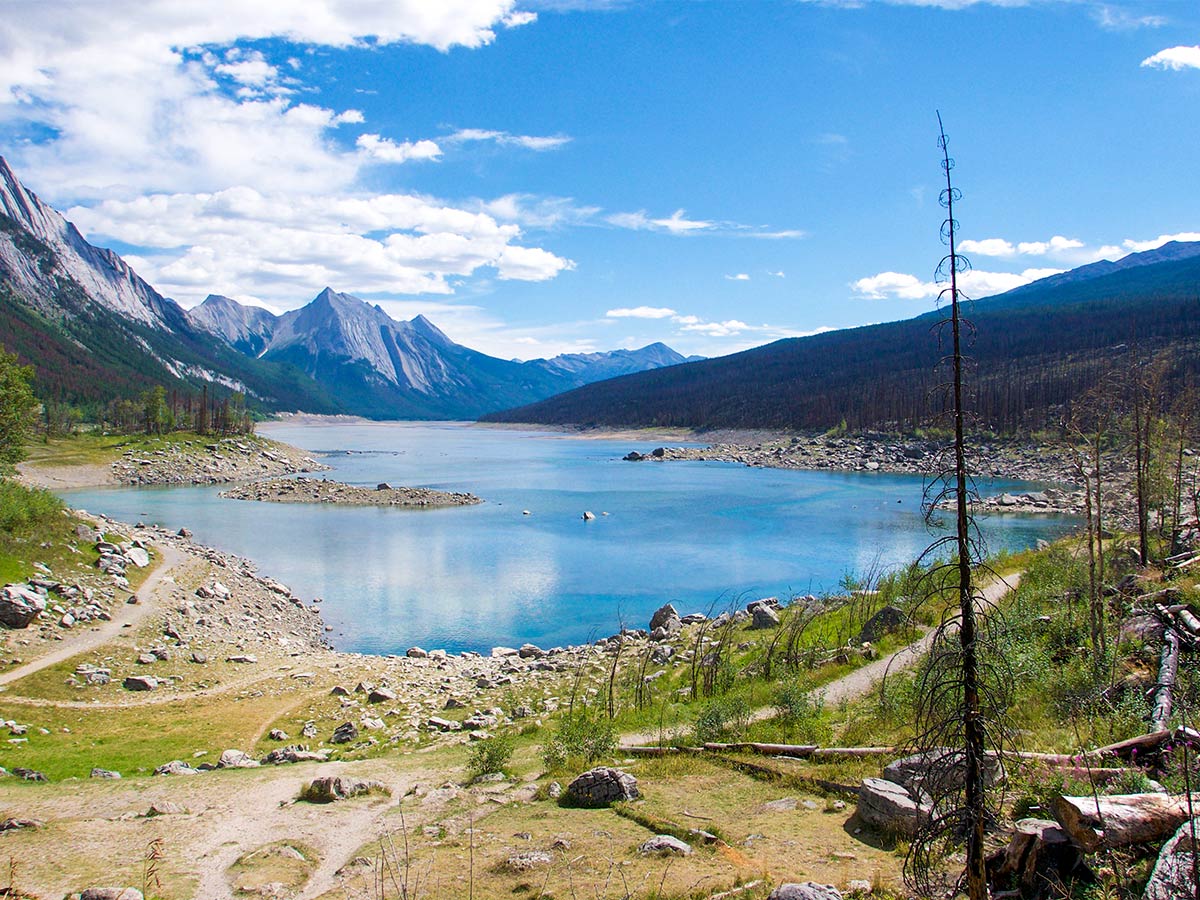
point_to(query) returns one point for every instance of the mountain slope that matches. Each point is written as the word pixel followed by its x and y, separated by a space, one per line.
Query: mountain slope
pixel 1032 354
pixel 380 367
pixel 94 330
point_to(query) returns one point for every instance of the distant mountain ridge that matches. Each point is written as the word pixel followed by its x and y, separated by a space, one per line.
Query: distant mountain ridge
pixel 1033 351
pixel 410 369
pixel 95 330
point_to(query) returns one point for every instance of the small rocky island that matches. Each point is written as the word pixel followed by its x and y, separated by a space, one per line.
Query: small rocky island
pixel 320 490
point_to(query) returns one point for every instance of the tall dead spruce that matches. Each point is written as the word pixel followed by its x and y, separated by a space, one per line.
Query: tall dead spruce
pixel 963 687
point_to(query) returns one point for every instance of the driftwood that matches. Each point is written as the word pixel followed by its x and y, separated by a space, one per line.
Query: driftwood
pixel 1039 856
pixel 1120 820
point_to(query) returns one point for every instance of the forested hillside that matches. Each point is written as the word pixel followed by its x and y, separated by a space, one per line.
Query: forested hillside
pixel 1032 352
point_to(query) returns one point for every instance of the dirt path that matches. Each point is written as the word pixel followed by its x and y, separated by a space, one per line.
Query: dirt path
pixel 857 683
pixel 150 595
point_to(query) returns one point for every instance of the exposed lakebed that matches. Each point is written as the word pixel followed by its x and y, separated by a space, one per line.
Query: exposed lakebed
pixel 525 565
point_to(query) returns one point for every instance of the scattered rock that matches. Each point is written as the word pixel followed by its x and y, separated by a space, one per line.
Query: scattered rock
pixel 382 695
pixel 665 844
pixel 165 808
pixel 176 767
pixel 277 734
pixel 344 733
pixel 236 759
pixel 104 773
pixel 807 890
pixel 530 859
pixel 338 787
pixel 140 683
pixel 111 893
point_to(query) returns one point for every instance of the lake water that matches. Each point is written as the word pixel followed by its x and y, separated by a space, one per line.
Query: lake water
pixel 698 534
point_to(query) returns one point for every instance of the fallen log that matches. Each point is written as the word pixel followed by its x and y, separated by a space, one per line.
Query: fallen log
pixel 1120 820
pixel 1167 671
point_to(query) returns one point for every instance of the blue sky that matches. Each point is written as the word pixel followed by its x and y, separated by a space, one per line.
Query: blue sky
pixel 563 175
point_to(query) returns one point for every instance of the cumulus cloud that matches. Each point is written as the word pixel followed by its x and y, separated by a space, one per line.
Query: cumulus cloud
pixel 283 247
pixel 1154 243
pixel 1174 58
pixel 641 312
pixel 728 328
pixel 975 284
pixel 168 134
pixel 385 150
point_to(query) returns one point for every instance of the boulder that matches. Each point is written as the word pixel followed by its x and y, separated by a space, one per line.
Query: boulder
pixel 137 557
pixel 665 845
pixel 110 893
pixel 806 890
pixel 164 808
pixel 602 786
pixel 20 604
pixel 764 616
pixel 1173 874
pixel 236 759
pixel 277 734
pixel 889 807
pixel 140 683
pixel 176 767
pixel 294 754
pixel 338 787
pixel 382 695
pixel 104 773
pixel 416 653
pixel 883 622
pixel 344 733
pixel 666 617
pixel 937 772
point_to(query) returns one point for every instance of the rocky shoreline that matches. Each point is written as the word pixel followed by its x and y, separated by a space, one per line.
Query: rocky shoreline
pixel 212 461
pixel 319 490
pixel 889 454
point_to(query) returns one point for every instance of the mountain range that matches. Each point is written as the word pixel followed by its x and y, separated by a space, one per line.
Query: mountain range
pixel 1032 352
pixel 95 330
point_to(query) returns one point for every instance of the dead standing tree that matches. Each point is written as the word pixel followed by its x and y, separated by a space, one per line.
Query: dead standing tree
pixel 963 686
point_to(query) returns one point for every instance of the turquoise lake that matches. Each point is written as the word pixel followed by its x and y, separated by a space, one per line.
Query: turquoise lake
pixel 701 535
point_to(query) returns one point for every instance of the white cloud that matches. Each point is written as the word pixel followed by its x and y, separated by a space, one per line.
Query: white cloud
pixel 386 150
pixel 1155 243
pixel 641 312
pixel 505 139
pixel 160 122
pixel 975 284
pixel 740 276
pixel 1175 58
pixel 988 247
pixel 674 224
pixel 284 247
pixel 537 212
pixel 728 328
pixel 1056 245
pixel 777 274
pixel 1117 19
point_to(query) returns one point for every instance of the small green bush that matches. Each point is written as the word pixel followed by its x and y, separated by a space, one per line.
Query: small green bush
pixel 801 715
pixel 490 757
pixel 586 734
pixel 721 718
pixel 23 508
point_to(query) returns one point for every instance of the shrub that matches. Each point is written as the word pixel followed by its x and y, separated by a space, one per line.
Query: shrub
pixel 801 714
pixel 490 757
pixel 584 734
pixel 721 718
pixel 22 508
